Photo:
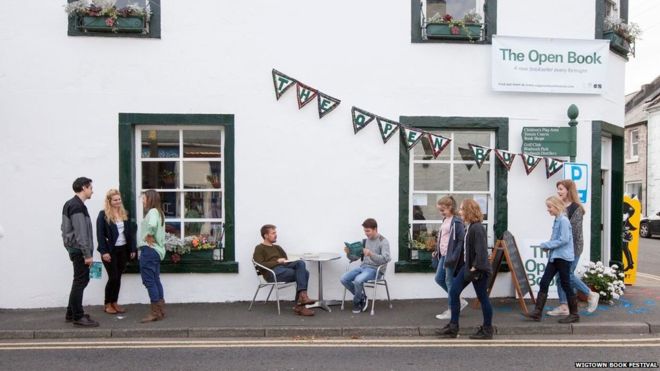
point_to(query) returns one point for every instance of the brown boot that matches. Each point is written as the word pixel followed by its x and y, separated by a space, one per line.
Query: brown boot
pixel 118 308
pixel 302 310
pixel 154 314
pixel 303 299
pixel 161 307
pixel 537 313
pixel 110 309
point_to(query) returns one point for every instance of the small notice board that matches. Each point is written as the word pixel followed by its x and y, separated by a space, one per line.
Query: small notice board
pixel 506 248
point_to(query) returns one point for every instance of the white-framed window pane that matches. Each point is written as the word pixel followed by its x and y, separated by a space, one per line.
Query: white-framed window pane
pixel 469 177
pixel 634 143
pixel 202 143
pixel 462 139
pixel 209 229
pixel 423 151
pixel 456 8
pixel 201 174
pixel 203 205
pixel 160 175
pixel 171 204
pixel 160 144
pixel 431 177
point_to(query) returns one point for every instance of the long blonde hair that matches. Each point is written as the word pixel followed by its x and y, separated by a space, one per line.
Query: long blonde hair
pixel 571 189
pixel 109 210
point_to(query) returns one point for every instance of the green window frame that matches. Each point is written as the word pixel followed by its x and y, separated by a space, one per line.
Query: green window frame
pixel 128 122
pixel 154 26
pixel 499 125
pixel 489 25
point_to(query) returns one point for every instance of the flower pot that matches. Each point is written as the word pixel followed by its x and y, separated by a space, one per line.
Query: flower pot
pixel 617 42
pixel 445 31
pixel 105 24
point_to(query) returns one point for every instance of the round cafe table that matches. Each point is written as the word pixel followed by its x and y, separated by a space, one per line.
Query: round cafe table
pixel 320 258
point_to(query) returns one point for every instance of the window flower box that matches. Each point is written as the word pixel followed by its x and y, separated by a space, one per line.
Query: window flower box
pixel 622 35
pixel 618 43
pixel 105 24
pixel 447 31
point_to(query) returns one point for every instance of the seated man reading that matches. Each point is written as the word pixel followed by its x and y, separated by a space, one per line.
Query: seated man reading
pixel 273 257
pixel 376 252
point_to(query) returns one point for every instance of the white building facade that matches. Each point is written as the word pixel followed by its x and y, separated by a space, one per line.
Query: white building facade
pixel 190 110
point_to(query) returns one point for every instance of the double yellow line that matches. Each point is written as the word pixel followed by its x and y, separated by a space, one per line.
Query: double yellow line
pixel 333 343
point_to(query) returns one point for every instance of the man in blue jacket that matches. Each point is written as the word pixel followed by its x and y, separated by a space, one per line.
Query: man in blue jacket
pixel 78 240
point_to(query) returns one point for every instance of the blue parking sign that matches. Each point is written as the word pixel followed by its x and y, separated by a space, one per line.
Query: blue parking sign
pixel 579 173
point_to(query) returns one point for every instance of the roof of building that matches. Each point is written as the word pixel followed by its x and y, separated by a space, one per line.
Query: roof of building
pixel 638 103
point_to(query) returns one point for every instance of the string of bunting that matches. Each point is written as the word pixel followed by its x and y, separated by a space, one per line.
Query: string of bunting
pixel 387 128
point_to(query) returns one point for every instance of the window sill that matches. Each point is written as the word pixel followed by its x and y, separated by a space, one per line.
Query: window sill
pixel 632 160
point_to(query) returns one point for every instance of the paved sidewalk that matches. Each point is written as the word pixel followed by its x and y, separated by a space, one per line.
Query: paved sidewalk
pixel 636 313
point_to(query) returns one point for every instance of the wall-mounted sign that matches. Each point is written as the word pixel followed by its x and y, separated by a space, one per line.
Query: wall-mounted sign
pixel 579 173
pixel 546 141
pixel 541 65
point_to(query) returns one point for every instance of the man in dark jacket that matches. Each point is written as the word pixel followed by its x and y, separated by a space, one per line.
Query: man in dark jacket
pixel 78 240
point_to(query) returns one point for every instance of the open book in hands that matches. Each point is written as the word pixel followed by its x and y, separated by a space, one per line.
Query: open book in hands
pixel 354 250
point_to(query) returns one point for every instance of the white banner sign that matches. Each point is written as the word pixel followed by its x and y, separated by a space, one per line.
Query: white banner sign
pixel 542 65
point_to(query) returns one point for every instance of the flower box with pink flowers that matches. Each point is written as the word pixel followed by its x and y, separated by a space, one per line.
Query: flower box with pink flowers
pixel 447 27
pixel 104 16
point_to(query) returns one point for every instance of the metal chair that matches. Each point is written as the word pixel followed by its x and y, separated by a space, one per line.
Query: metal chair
pixel 379 281
pixel 262 282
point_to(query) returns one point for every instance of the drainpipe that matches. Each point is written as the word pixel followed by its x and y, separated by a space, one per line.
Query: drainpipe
pixel 573 113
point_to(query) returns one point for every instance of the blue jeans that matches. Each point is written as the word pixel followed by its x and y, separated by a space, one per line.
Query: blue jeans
pixel 576 283
pixel 354 281
pixel 444 278
pixel 150 273
pixel 480 287
pixel 292 272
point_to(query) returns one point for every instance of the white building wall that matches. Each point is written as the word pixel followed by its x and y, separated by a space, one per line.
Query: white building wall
pixel 313 178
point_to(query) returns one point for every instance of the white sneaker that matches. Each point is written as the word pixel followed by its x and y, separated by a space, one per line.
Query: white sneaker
pixel 593 302
pixel 558 311
pixel 464 304
pixel 444 315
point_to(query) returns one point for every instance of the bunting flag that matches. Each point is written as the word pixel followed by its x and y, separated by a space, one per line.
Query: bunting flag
pixel 438 143
pixel 530 162
pixel 387 128
pixel 326 104
pixel 281 82
pixel 305 94
pixel 466 155
pixel 505 157
pixel 480 154
pixel 413 136
pixel 552 166
pixel 361 118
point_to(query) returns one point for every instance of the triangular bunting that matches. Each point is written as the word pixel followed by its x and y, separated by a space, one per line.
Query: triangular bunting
pixel 438 143
pixel 552 166
pixel 361 118
pixel 466 155
pixel 480 154
pixel 530 162
pixel 505 157
pixel 305 94
pixel 413 136
pixel 326 104
pixel 281 82
pixel 387 128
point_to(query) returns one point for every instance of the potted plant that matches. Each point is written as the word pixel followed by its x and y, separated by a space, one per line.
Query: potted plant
pixel 447 27
pixel 607 281
pixel 622 35
pixel 104 16
pixel 422 246
pixel 168 177
pixel 175 247
pixel 214 180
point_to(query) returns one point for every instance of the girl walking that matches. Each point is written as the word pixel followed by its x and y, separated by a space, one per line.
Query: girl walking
pixel 152 251
pixel 449 249
pixel 559 260
pixel 567 192
pixel 473 268
pixel 116 244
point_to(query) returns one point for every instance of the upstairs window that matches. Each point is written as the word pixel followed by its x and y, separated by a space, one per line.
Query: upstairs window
pixel 634 144
pixel 463 21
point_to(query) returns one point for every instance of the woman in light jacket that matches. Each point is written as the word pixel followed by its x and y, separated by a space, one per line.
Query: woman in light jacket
pixel 116 244
pixel 560 259
pixel 474 268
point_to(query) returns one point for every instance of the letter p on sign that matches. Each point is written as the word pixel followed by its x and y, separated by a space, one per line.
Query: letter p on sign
pixel 579 173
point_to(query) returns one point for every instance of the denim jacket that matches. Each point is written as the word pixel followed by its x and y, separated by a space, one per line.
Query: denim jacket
pixel 561 242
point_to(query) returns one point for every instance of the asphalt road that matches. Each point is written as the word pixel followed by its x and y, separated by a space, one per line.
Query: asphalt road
pixel 334 354
pixel 649 256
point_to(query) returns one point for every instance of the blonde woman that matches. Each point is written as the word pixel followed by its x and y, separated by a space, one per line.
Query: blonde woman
pixel 152 251
pixel 567 192
pixel 116 244
pixel 560 259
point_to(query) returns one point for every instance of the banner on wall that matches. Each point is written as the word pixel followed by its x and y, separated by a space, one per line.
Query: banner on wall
pixel 543 65
pixel 632 210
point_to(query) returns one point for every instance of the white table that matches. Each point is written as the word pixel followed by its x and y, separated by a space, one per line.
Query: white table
pixel 320 258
